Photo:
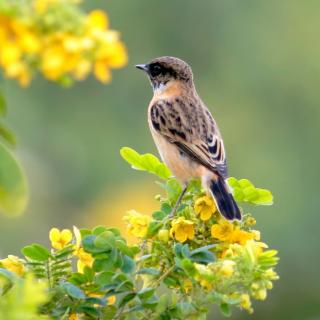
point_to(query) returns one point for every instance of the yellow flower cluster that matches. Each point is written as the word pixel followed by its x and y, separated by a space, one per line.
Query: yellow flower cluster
pixel 227 232
pixel 57 39
pixel 137 223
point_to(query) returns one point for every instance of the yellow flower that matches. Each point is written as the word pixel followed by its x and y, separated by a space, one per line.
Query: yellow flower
pixel 29 42
pixel 27 47
pixel 9 53
pixel 222 230
pixel 187 285
pixel 206 207
pixel 245 302
pixel 240 236
pixel 182 229
pixel 85 259
pixel 111 300
pixel 102 72
pixel 250 221
pixel 97 20
pixel 60 239
pixel 13 264
pixel 271 274
pixel 256 235
pixel 260 294
pixel 227 268
pixel 137 223
pixel 226 231
pixel 54 62
pixel 73 316
pixel 204 276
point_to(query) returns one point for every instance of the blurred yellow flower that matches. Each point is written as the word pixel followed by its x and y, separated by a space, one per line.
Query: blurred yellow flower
pixel 205 206
pixel 111 300
pixel 260 294
pixel 97 20
pixel 73 316
pixel 13 264
pixel 245 302
pixel 182 229
pixel 137 223
pixel 29 43
pixel 59 239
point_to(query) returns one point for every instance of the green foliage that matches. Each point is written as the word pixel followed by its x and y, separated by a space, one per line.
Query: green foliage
pixel 23 299
pixel 115 280
pixel 13 185
pixel 245 191
pixel 145 162
pixel 3 105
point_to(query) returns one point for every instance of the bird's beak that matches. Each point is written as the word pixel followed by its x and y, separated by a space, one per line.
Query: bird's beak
pixel 143 67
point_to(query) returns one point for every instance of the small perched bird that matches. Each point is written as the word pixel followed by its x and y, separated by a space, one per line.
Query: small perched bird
pixel 185 133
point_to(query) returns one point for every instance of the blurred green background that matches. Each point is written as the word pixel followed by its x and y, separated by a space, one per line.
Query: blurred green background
pixel 257 67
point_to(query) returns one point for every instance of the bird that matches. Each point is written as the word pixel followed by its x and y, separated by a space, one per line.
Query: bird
pixel 186 134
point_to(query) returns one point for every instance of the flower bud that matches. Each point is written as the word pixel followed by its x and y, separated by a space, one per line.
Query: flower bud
pixel 261 294
pixel 163 235
pixel 255 286
pixel 250 221
pixel 227 268
pixel 269 285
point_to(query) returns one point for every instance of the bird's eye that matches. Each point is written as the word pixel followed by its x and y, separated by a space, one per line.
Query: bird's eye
pixel 155 70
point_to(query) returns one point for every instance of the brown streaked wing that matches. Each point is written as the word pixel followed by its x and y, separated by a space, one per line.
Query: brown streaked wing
pixel 168 120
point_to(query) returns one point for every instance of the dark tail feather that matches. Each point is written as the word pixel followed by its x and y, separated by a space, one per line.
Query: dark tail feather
pixel 224 199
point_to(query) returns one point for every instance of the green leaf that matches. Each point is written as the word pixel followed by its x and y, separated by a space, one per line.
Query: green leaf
pixel 36 252
pixel 73 291
pixel 103 278
pixel 7 135
pixel 105 240
pixel 203 255
pixel 159 215
pixel 153 228
pixel 146 293
pixel 128 297
pixel 128 264
pixel 145 162
pixel 245 191
pixel 3 105
pixel 151 271
pixel 225 309
pixel 126 285
pixel 188 267
pixel 89 245
pixel 121 245
pixel 174 189
pixel 13 185
pixel 98 230
pixel 109 312
pixel 103 264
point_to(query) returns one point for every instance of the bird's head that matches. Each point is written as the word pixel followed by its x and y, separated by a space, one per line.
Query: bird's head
pixel 164 71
